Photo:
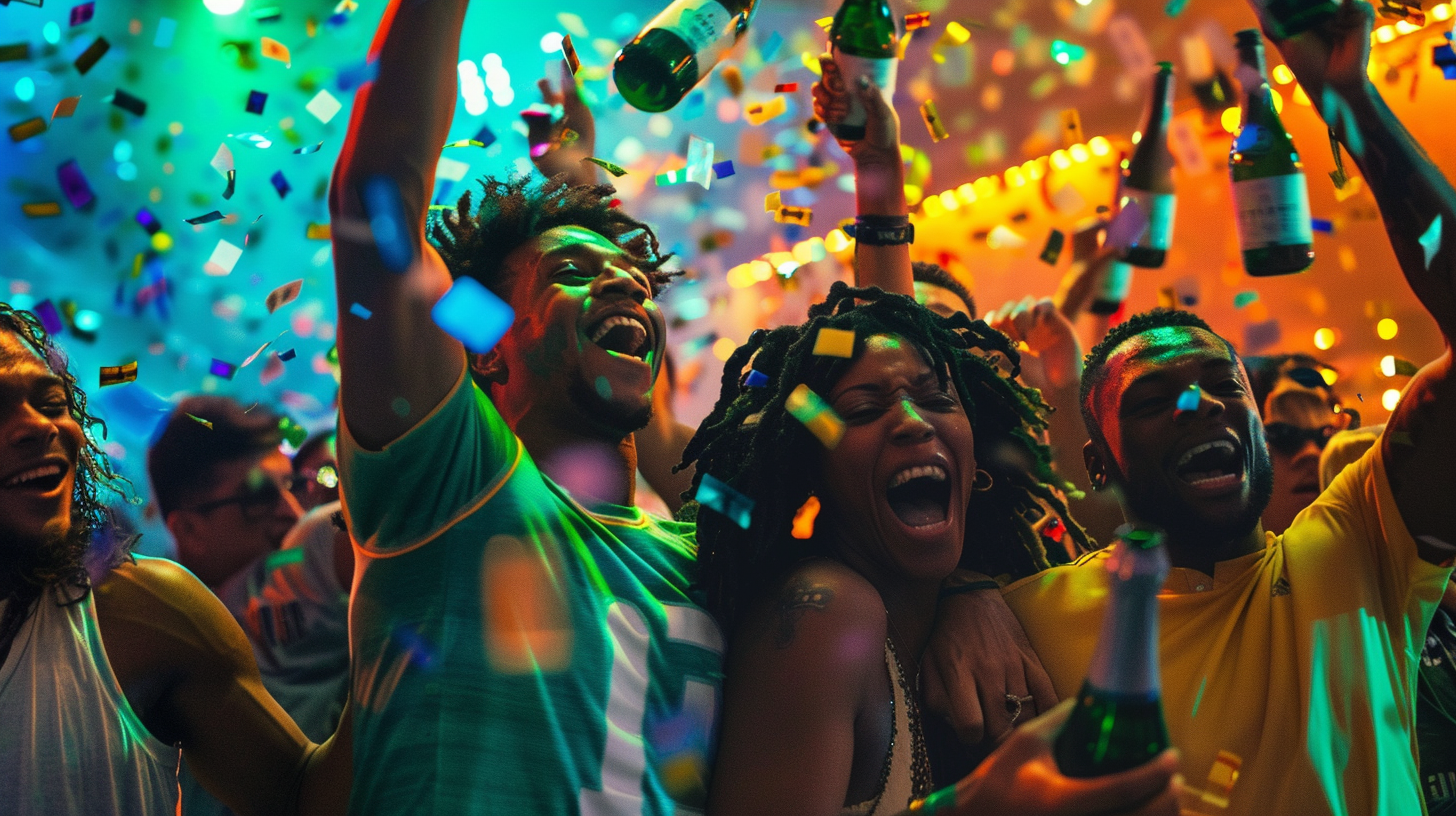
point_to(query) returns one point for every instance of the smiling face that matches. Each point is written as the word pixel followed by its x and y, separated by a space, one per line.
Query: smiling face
pixel 40 446
pixel 1202 474
pixel 896 488
pixel 587 338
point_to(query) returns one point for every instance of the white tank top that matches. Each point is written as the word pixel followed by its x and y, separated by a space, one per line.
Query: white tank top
pixel 70 743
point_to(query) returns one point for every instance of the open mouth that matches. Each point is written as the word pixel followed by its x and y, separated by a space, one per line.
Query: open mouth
pixel 39 479
pixel 920 496
pixel 624 335
pixel 1211 466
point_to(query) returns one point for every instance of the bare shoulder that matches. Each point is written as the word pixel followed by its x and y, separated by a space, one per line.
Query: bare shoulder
pixel 825 613
pixel 159 608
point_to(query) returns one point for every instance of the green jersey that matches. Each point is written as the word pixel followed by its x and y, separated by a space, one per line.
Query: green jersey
pixel 514 650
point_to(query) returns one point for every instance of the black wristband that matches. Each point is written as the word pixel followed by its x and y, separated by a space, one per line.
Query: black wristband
pixel 882 230
pixel 973 586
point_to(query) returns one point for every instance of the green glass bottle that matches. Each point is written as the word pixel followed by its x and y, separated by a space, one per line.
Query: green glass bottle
pixel 1117 723
pixel 864 42
pixel 1148 180
pixel 1290 17
pixel 1113 289
pixel 1271 196
pixel 677 48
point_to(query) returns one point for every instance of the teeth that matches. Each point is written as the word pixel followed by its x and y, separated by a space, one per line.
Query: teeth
pixel 34 473
pixel 1206 446
pixel 935 472
pixel 613 322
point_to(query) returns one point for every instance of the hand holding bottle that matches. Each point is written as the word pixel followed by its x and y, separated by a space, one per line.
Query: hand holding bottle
pixel 832 94
pixel 1333 54
pixel 549 152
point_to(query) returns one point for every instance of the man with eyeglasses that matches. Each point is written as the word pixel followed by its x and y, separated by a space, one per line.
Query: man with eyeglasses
pixel 225 491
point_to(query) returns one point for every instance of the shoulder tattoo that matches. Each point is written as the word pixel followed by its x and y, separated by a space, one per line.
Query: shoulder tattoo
pixel 798 596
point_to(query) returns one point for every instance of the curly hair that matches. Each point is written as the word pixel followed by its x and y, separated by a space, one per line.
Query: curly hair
pixel 771 456
pixel 937 275
pixel 474 238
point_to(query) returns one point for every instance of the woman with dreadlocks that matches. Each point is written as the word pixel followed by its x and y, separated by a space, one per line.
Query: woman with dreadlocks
pixel 827 617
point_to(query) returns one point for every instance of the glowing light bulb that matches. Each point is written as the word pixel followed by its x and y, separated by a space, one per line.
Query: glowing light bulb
pixel 223 8
pixel 1387 329
pixel 1283 75
pixel 1324 339
pixel 1230 119
pixel 723 348
pixel 1387 365
pixel 1390 399
pixel 1100 146
pixel 1329 375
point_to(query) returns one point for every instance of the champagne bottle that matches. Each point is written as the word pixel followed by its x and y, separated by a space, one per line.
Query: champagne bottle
pixel 864 42
pixel 1148 179
pixel 677 49
pixel 1290 17
pixel 1271 196
pixel 1117 723
pixel 1113 289
pixel 1211 86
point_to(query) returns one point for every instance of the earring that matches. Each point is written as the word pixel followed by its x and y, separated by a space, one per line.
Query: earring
pixel 982 482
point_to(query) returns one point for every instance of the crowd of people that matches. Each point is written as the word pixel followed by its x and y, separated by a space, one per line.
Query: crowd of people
pixel 885 567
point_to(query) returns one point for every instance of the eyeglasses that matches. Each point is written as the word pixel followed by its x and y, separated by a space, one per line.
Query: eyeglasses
pixel 255 501
pixel 326 475
pixel 1290 439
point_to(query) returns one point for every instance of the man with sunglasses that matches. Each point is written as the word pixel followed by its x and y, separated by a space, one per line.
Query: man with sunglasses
pixel 225 491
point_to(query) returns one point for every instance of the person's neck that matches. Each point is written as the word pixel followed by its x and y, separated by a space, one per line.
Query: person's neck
pixel 550 445
pixel 911 611
pixel 1204 557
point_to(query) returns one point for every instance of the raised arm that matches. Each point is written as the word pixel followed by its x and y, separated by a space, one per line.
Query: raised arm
pixel 397 365
pixel 1417 204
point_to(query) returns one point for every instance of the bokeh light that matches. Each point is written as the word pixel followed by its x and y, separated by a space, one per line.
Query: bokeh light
pixel 222 8
pixel 1387 329
pixel 1390 399
pixel 1325 339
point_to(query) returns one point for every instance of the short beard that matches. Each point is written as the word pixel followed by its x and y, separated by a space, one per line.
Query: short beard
pixel 56 560
pixel 613 419
pixel 1169 512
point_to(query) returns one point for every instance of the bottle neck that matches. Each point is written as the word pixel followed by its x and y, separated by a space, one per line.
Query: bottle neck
pixel 1161 112
pixel 1126 659
pixel 1251 72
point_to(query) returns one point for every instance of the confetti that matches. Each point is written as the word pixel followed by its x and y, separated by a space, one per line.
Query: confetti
pixel 232 180
pixel 473 315
pixel 954 34
pixel 1444 57
pixel 92 55
pixel 672 177
pixel 50 318
pixel 770 47
pixel 166 30
pixel 1071 127
pixel 804 517
pixel 261 349
pixel 323 106
pixel 815 414
pixel 127 102
pixel 1431 240
pixel 41 209
pixel 834 343
pixel 699 169
pixel 29 128
pixel 1321 225
pixel 1338 174
pixel 280 184
pixel 615 170
pixel 917 20
pixel 256 100
pixel 1003 237
pixel 274 50
pixel 1175 7
pixel 65 108
pixel 307 149
pixel 723 169
pixel 825 23
pixel 1068 199
pixel 773 202
pixel 148 221
pixel 569 51
pixel 204 423
pixel 222 368
pixel 932 121
pixel 224 257
pixel 1243 299
pixel 74 185
pixel 1052 252
pixel 82 13
pixel 272 370
pixel 733 78
pixel 762 112
pixel 1190 398
pixel 318 232
pixel 283 295
pixel 755 379
pixel 287 355
pixel 116 375
pixel 786 87
pixel 694 105
pixel 794 215
pixel 387 224
pixel 358 310
pixel 718 496
pixel 14 51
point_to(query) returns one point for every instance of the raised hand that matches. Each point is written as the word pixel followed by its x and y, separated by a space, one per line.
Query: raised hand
pixel 1333 55
pixel 881 143
pixel 1054 361
pixel 544 132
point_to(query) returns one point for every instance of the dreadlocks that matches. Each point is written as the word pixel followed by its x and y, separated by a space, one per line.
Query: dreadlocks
pixel 754 445
pixel 475 242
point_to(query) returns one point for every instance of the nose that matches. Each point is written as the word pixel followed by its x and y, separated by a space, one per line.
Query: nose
pixel 910 426
pixel 1208 406
pixel 621 280
pixel 29 427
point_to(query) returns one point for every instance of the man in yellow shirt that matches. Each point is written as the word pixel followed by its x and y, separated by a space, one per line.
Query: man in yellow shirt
pixel 1291 658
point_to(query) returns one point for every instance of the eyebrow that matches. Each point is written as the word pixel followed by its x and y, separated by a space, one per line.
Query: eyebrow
pixel 1164 374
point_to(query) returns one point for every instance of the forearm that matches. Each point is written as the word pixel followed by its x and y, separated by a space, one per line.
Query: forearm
pixel 879 189
pixel 328 774
pixel 1412 193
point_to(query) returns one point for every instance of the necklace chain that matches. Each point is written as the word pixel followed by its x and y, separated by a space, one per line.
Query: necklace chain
pixel 920 782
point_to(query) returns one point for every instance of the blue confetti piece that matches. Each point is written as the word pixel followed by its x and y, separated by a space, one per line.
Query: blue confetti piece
pixel 50 318
pixel 222 368
pixel 473 314
pixel 353 76
pixel 148 221
pixel 1190 398
pixel 485 136
pixel 694 105
pixel 256 101
pixel 285 356
pixel 1321 225
pixel 280 184
pixel 387 223
pixel 358 310
pixel 723 169
pixel 770 47
pixel 755 379
pixel 74 185
pixel 724 499
pixel 82 13
pixel 166 30
pixel 1444 58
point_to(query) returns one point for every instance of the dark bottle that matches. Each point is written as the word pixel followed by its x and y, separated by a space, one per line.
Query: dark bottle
pixel 677 49
pixel 1290 17
pixel 1117 723
pixel 1211 86
pixel 1148 179
pixel 864 42
pixel 1113 289
pixel 1271 196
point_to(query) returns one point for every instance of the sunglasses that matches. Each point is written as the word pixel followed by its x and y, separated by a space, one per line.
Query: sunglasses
pixel 1290 439
pixel 255 502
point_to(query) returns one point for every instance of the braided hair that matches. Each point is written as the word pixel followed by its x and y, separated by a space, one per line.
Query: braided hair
pixel 751 443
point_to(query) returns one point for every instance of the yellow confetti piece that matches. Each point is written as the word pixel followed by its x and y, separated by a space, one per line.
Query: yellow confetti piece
pixel 615 170
pixel 465 143
pixel 816 415
pixel 825 23
pixel 955 34
pixel 318 232
pixel 274 50
pixel 834 343
pixel 41 209
pixel 904 44
pixel 811 62
pixel 803 528
pixel 773 201
pixel 794 215
pixel 932 121
pixel 785 180
pixel 116 375
pixel 34 126
pixel 204 423
pixel 1071 127
pixel 759 113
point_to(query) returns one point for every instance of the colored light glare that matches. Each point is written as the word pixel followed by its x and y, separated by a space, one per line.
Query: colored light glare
pixel 1067 53
pixel 1387 329
pixel 1283 75
pixel 1329 375
pixel 551 43
pixel 1324 339
pixel 1390 399
pixel 1387 365
pixel 222 8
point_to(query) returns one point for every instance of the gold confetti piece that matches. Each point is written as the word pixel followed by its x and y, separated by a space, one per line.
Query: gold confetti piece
pixel 804 517
pixel 932 121
pixel 65 108
pixel 274 50
pixel 955 34
pixel 283 295
pixel 116 375
pixel 201 421
pixel 572 60
pixel 465 143
pixel 29 128
pixel 794 215
pixel 1003 237
pixel 568 136
pixel 318 232
pixel 733 78
pixel 762 112
pixel 919 19
pixel 1167 298
pixel 615 170
pixel 825 23
pixel 816 415
pixel 834 343
pixel 773 201
pixel 41 209
pixel 785 180
pixel 1071 127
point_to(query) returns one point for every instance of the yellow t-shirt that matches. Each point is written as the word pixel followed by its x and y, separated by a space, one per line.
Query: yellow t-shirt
pixel 1299 659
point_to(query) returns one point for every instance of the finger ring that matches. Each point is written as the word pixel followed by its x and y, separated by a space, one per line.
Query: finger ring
pixel 1013 705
